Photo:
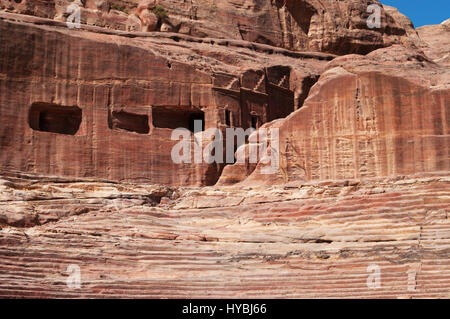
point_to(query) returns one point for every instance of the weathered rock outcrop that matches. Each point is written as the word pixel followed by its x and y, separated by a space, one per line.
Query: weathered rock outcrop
pixel 437 38
pixel 338 27
pixel 383 114
pixel 148 19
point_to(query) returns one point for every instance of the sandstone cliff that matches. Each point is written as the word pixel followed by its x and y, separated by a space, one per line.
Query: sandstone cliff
pixel 87 178
pixel 328 26
pixel 120 106
pixel 437 38
pixel 377 115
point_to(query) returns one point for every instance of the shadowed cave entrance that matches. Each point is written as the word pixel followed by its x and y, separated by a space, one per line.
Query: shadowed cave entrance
pixel 174 118
pixel 53 118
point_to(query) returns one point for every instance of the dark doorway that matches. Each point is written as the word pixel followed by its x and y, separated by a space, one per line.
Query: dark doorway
pixel 254 122
pixel 228 117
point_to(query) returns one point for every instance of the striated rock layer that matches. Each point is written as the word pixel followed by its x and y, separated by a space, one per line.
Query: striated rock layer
pixel 318 240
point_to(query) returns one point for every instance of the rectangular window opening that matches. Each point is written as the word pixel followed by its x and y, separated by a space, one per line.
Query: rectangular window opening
pixel 121 120
pixel 173 118
pixel 54 118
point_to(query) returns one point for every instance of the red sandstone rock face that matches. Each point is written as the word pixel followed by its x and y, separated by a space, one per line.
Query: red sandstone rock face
pixel 111 115
pixel 329 26
pixel 338 27
pixel 122 82
pixel 383 114
pixel 40 8
pixel 122 106
pixel 149 20
pixel 364 154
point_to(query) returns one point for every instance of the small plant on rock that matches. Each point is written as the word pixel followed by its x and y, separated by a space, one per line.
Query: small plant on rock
pixel 118 7
pixel 160 12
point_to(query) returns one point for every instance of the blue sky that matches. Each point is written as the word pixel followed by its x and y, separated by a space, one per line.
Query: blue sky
pixel 422 12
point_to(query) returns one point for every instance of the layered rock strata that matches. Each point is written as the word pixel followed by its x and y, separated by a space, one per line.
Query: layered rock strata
pixel 320 240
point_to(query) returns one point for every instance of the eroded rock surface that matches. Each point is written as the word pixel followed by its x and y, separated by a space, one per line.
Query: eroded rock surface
pixel 383 114
pixel 317 240
pixel 338 27
pixel 437 38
